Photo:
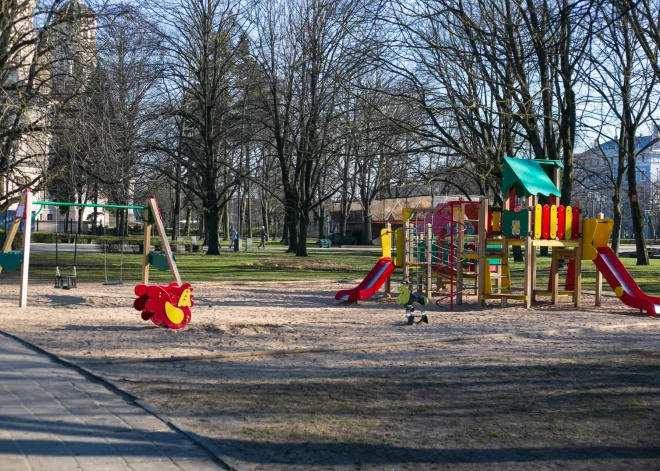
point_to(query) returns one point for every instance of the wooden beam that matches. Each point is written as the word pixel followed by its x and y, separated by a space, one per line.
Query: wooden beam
pixel 577 295
pixel 146 249
pixel 27 232
pixel 481 261
pixel 555 278
pixel 529 254
pixel 460 242
pixel 429 261
pixel 163 239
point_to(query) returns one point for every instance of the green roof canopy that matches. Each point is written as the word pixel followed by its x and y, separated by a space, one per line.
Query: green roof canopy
pixel 529 177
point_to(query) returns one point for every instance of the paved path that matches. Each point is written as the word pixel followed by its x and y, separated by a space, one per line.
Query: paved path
pixel 53 418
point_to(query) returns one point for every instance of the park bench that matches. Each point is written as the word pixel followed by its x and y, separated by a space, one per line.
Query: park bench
pixel 324 243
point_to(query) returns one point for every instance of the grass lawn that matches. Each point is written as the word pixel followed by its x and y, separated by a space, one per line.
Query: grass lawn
pixel 228 266
pixel 279 266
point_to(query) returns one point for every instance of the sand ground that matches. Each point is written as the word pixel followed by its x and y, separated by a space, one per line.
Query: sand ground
pixel 547 396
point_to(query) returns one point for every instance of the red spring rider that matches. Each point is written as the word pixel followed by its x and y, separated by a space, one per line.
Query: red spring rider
pixel 165 305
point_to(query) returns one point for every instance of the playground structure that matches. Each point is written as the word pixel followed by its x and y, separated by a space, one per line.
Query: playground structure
pixel 462 247
pixel 176 315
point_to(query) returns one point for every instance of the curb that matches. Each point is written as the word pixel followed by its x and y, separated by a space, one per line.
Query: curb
pixel 215 454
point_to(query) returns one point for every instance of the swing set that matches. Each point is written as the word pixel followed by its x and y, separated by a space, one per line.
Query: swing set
pixel 174 298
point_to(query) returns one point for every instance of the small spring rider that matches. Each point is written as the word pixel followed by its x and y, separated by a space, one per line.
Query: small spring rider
pixel 406 298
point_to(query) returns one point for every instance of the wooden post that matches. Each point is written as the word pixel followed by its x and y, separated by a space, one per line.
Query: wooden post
pixel 163 239
pixel 406 252
pixel 577 293
pixel 529 252
pixel 10 237
pixel 481 255
pixel 505 262
pixel 429 261
pixel 555 278
pixel 27 231
pixel 388 282
pixel 599 277
pixel 146 249
pixel 460 244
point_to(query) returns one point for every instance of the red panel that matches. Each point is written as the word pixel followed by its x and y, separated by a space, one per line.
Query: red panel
pixel 545 225
pixel 570 277
pixel 561 222
pixel 576 223
pixel 512 199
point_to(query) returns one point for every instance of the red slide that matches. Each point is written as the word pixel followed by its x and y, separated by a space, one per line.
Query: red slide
pixel 623 284
pixel 371 283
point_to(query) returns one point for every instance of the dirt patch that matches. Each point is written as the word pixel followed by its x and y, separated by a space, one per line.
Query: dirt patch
pixel 578 399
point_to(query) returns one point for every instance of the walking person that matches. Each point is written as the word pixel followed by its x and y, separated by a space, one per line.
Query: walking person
pixel 263 238
pixel 232 237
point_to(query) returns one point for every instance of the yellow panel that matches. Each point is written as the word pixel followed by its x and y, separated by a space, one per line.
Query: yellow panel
pixel 553 222
pixel 496 220
pixel 386 243
pixel 400 247
pixel 406 213
pixel 603 232
pixel 568 223
pixel 506 279
pixel 488 288
pixel 588 233
pixel 538 212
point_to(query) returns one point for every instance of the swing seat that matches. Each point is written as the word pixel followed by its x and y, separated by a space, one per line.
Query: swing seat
pixel 65 281
pixel 11 260
pixel 159 261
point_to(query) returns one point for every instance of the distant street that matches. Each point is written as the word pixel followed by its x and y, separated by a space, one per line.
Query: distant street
pixel 90 248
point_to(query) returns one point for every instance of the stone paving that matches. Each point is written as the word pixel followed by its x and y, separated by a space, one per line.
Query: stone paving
pixel 54 418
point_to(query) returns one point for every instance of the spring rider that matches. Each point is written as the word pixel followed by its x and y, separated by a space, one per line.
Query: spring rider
pixel 407 298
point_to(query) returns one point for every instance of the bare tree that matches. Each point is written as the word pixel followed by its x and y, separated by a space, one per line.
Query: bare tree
pixel 200 39
pixel 301 51
pixel 34 58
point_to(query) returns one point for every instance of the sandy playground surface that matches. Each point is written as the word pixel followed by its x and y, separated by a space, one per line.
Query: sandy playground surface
pixel 568 388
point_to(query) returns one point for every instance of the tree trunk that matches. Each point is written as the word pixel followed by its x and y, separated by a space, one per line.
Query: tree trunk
pixel 80 219
pixel 367 232
pixel 212 224
pixel 293 235
pixel 96 210
pixel 186 228
pixel 635 206
pixel 176 213
pixel 321 222
pixel 264 217
pixel 301 250
pixel 285 231
pixel 248 192
pixel 617 216
pixel 225 222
